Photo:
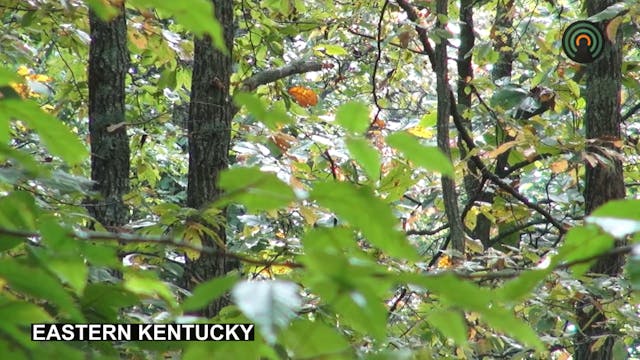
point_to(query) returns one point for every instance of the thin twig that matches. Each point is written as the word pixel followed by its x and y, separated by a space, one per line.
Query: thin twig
pixel 128 238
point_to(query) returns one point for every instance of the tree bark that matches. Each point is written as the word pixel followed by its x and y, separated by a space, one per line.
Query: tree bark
pixel 472 176
pixel 456 231
pixel 108 64
pixel 209 125
pixel 502 35
pixel 603 182
pixel 503 44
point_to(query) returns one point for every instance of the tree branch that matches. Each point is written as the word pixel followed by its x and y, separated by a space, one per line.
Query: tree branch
pixel 631 111
pixel 129 238
pixel 459 123
pixel 514 230
pixel 428 232
pixel 268 76
pixel 412 14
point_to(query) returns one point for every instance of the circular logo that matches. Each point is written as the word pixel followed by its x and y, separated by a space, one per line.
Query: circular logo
pixel 583 42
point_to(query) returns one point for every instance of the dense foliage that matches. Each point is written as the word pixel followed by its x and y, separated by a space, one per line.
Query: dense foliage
pixel 333 202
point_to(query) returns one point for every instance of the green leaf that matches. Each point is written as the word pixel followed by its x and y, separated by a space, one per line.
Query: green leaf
pixel 427 157
pixel 147 283
pixel 453 290
pixel 208 291
pixel 633 268
pixel 618 217
pixel 429 119
pixel 195 15
pixel 360 207
pixel 333 50
pixel 618 228
pixel 72 271
pixel 273 118
pixel 54 134
pixel 363 312
pixel 366 156
pixel 224 350
pixel 22 313
pixel 34 281
pixel 18 212
pixel 308 339
pixel 508 97
pixel 395 183
pixel 450 323
pixel 102 302
pixel 573 87
pixel 255 189
pixel 610 12
pixel 583 242
pixel 517 289
pixel 270 304
pixel 103 9
pixel 504 320
pixel 7 76
pixel 623 209
pixel 353 116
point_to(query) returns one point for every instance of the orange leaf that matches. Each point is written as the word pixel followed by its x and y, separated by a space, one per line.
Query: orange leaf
pixel 444 262
pixel 559 166
pixel 304 96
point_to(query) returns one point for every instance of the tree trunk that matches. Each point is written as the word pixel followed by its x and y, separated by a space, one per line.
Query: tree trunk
pixel 108 64
pixel 603 182
pixel 472 177
pixel 503 44
pixel 456 231
pixel 502 35
pixel 209 125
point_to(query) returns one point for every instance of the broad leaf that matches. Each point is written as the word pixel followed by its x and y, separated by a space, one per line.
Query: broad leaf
pixel 38 283
pixel 270 304
pixel 308 339
pixel 208 291
pixel 257 190
pixel 353 116
pixel 358 206
pixel 450 323
pixel 196 15
pixel 427 157
pixel 54 134
pixel 366 156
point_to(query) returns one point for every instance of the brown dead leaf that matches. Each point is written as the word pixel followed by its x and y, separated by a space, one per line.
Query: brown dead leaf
pixel 592 160
pixel 114 127
pixel 405 38
pixel 282 140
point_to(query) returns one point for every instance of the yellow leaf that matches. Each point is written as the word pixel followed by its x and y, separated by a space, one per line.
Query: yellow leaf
pixel 612 29
pixel 444 262
pixel 40 78
pixel 501 149
pixel 474 246
pixel 23 70
pixel 421 132
pixel 559 166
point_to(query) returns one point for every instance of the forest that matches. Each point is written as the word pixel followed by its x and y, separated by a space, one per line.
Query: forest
pixel 382 179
